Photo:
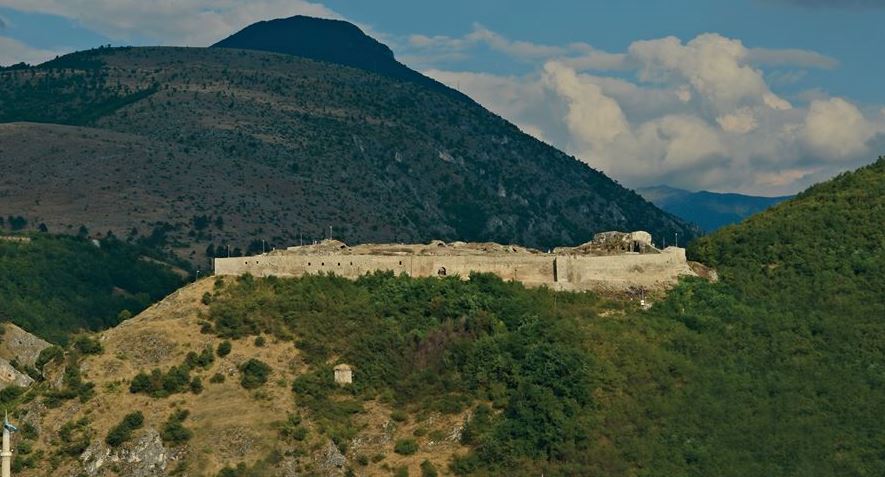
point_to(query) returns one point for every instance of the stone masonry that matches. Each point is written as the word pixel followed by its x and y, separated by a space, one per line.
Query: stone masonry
pixel 613 262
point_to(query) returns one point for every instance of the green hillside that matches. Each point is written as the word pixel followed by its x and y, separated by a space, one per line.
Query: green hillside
pixel 55 285
pixel 776 370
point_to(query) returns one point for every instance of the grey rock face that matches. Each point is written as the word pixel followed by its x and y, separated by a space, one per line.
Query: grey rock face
pixel 146 457
pixel 20 345
pixel 9 376
pixel 331 461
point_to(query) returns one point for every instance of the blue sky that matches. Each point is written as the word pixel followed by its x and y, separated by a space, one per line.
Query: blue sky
pixel 757 96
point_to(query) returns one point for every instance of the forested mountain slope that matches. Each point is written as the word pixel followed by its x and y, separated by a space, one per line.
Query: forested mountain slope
pixel 53 286
pixel 708 210
pixel 248 149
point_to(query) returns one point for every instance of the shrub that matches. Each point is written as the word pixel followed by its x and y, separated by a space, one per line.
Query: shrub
pixel 196 385
pixel 224 348
pixel 405 446
pixel 260 341
pixel 202 360
pixel 217 378
pixel 428 469
pixel 122 432
pixel 87 345
pixel 50 354
pixel 255 373
pixel 174 432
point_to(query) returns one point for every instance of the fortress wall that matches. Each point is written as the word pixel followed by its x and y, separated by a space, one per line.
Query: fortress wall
pixel 530 269
pixel 561 272
pixel 619 272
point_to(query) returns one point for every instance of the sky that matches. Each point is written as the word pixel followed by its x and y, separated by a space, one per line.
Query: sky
pixel 762 97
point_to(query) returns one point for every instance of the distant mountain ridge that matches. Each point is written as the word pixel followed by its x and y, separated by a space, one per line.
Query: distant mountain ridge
pixel 709 210
pixel 332 41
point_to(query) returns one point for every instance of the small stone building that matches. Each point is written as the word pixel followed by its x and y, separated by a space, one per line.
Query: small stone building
pixel 343 374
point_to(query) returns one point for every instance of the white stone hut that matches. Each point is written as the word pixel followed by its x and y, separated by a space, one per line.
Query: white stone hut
pixel 343 374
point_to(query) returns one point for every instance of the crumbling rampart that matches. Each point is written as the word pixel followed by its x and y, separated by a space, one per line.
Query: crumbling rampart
pixel 601 266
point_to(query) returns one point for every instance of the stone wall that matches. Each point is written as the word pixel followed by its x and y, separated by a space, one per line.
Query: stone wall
pixel 560 272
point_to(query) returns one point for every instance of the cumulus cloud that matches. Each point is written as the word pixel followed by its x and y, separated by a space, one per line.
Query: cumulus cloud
pixel 425 49
pixel 837 129
pixel 182 22
pixel 698 114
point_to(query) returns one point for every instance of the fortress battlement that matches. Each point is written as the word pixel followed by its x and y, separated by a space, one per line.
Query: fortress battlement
pixel 613 262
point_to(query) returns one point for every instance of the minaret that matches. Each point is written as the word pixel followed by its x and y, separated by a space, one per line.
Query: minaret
pixel 6 454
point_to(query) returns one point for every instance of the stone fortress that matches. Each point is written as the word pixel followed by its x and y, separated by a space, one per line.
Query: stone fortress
pixel 614 262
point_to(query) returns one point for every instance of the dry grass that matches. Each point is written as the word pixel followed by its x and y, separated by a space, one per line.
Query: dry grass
pixel 230 424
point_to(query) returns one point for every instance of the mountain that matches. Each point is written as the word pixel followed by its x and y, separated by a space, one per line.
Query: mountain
pixel 709 210
pixel 215 150
pixel 333 41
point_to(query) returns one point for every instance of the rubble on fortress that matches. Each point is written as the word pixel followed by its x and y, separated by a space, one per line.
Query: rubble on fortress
pixel 604 243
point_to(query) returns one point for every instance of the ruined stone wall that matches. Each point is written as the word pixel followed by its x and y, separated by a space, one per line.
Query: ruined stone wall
pixel 561 272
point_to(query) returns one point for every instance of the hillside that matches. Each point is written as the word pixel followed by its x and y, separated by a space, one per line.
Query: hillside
pixel 775 370
pixel 332 41
pixel 248 150
pixel 407 406
pixel 709 210
pixel 53 286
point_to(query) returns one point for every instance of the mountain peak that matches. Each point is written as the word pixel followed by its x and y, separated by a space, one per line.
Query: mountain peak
pixel 332 41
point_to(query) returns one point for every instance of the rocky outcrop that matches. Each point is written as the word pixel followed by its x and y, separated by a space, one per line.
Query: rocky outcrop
pixel 330 461
pixel 146 457
pixel 9 376
pixel 20 346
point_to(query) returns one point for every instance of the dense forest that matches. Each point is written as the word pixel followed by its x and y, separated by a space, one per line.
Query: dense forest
pixel 55 285
pixel 776 370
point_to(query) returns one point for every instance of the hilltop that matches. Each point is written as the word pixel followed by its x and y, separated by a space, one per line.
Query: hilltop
pixel 333 41
pixel 210 150
pixel 709 210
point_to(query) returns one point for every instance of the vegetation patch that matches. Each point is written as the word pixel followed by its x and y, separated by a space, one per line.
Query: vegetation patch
pixel 122 432
pixel 174 432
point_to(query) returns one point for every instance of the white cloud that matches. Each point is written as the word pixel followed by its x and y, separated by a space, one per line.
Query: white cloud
pixel 741 121
pixel 791 57
pixel 837 129
pixel 594 119
pixel 13 51
pixel 179 22
pixel 717 68
pixel 698 115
